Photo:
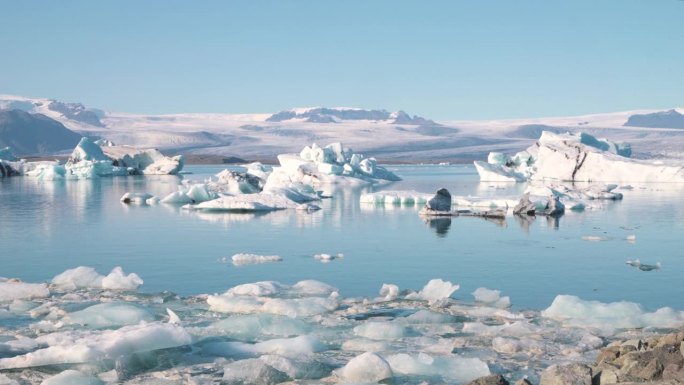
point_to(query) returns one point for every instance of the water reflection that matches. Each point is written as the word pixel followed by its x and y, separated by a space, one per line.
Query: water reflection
pixel 440 225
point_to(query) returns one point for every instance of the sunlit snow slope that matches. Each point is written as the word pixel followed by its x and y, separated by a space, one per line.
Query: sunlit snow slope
pixel 390 136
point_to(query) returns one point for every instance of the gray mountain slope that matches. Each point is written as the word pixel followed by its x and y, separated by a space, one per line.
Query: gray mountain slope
pixel 34 134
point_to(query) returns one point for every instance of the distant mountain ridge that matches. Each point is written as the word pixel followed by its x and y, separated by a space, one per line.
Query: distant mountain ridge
pixel 333 115
pixel 34 134
pixel 660 119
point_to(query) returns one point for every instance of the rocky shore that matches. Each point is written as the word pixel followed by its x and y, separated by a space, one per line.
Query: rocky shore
pixel 657 360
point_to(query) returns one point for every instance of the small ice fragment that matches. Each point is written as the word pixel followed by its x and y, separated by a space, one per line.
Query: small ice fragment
pixel 173 317
pixel 435 290
pixel 250 259
pixel 389 292
pixel 328 257
pixel 594 238
pixel 136 198
pixel 631 238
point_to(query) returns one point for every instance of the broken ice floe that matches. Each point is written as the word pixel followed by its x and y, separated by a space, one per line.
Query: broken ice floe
pixel 578 158
pixel 643 266
pixel 301 332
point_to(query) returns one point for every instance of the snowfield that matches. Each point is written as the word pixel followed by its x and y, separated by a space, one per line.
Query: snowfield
pixel 390 136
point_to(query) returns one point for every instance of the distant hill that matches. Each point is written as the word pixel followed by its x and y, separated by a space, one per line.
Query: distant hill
pixel 661 119
pixel 34 134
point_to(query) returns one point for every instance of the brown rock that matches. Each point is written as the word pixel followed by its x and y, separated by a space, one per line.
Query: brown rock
pixel 668 339
pixel 673 372
pixel 572 374
pixel 523 381
pixel 624 349
pixel 608 355
pixel 494 379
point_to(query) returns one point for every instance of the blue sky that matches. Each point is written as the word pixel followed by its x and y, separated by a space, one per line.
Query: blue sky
pixel 477 59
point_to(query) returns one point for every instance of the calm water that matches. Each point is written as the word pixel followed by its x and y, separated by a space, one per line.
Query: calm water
pixel 48 227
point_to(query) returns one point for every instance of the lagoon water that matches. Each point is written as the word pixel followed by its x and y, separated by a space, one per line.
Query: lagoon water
pixel 48 227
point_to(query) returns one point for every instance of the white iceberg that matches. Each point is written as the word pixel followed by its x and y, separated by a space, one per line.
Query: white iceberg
pixel 578 158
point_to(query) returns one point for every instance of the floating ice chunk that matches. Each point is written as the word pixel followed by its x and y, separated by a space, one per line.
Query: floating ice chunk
pixel 607 317
pixel 257 289
pixel 72 377
pixel 404 198
pixel 173 317
pixel 87 149
pixel 429 317
pixel 631 238
pixel 291 307
pixel 302 367
pixel 313 288
pixel 177 197
pixel 11 290
pixel 515 329
pixel 105 315
pixel 328 257
pixel 252 326
pixel 251 259
pixel 247 203
pixel 252 371
pixel 367 367
pixel 118 280
pixel 365 345
pixel 79 277
pixel 508 345
pixel 135 198
pixel 287 347
pixel 47 172
pixel 90 346
pixel 381 330
pixel 147 162
pixel 435 290
pixel 448 367
pixel 492 297
pixel 388 292
pixel 497 173
pixel 87 277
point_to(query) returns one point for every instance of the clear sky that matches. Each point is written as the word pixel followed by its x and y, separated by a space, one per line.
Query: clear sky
pixel 476 59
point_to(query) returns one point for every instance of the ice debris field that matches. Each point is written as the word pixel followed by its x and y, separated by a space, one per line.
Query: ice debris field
pixel 86 327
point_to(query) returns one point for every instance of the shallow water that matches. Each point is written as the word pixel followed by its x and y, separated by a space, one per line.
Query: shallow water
pixel 48 227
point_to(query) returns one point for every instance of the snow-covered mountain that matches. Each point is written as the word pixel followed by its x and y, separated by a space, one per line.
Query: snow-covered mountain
pixel 391 136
